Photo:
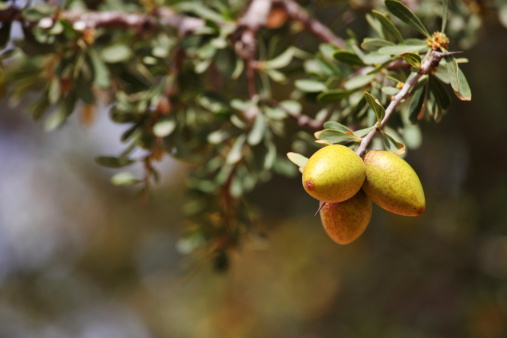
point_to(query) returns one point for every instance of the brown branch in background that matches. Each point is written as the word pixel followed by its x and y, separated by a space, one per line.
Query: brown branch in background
pixel 297 13
pixel 429 65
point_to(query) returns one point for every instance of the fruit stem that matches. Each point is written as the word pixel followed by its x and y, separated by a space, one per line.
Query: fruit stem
pixel 428 66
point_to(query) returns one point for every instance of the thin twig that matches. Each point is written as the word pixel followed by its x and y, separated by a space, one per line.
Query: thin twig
pixel 429 65
pixel 297 13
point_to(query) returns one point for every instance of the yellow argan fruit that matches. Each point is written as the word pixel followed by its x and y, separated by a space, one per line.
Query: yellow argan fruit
pixel 344 222
pixel 333 174
pixel 393 184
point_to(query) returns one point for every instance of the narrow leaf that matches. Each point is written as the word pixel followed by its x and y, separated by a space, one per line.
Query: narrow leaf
pixel 405 14
pixel 236 151
pixel 393 145
pixel 348 57
pixel 445 7
pixel 458 81
pixel 417 104
pixel 331 136
pixel 375 105
pixel 373 44
pixel 114 162
pixel 124 178
pixel 116 53
pixel 257 133
pixel 401 49
pixel 297 159
pixel 164 128
pixel 336 126
pixel 310 86
pixel 412 59
pixel 388 25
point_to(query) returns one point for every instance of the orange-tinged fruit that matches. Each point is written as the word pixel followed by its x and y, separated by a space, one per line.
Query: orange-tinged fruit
pixel 393 184
pixel 333 174
pixel 344 222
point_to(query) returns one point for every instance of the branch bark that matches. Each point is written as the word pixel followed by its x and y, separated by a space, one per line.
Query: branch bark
pixel 430 64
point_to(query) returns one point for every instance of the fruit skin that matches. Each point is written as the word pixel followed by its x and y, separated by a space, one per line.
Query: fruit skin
pixel 344 222
pixel 333 174
pixel 393 184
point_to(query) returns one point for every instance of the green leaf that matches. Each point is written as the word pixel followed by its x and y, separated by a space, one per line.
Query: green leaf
pixel 331 96
pixel 363 132
pixel 441 95
pixel 310 86
pixel 281 60
pixel 257 133
pixel 100 71
pixel 276 75
pixel 445 7
pixel 54 90
pixel 379 110
pixel 391 91
pixel 292 106
pixel 56 119
pixel 458 81
pixel 375 58
pixel 270 157
pixel 373 44
pixel 332 136
pixel 297 159
pixel 336 126
pixel 388 26
pixel 404 14
pixel 417 104
pixel 114 162
pixel 84 90
pixel 358 81
pixel 392 144
pixel 348 57
pixel 412 59
pixel 5 34
pixel 116 53
pixel 236 152
pixel 124 178
pixel 164 128
pixel 401 49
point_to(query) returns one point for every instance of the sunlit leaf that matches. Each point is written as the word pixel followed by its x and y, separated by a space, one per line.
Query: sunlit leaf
pixel 412 59
pixel 236 152
pixel 388 25
pixel 336 126
pixel 124 178
pixel 405 14
pixel 358 81
pixel 310 86
pixel 257 133
pixel 116 53
pixel 332 136
pixel 458 81
pixel 164 128
pixel 373 44
pixel 297 159
pixel 401 49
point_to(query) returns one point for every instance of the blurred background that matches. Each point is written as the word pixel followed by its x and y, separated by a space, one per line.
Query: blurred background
pixel 81 258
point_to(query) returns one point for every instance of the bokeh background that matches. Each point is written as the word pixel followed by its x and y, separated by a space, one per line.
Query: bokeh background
pixel 81 258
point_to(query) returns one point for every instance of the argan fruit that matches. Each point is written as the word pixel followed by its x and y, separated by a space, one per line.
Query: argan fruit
pixel 393 184
pixel 344 222
pixel 333 174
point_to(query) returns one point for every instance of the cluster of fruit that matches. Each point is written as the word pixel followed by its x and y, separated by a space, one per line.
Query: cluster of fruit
pixel 346 185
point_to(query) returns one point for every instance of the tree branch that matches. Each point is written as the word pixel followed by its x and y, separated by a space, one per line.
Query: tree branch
pixel 297 13
pixel 429 65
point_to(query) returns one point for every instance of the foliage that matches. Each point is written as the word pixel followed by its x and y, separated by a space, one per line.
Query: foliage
pixel 216 86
